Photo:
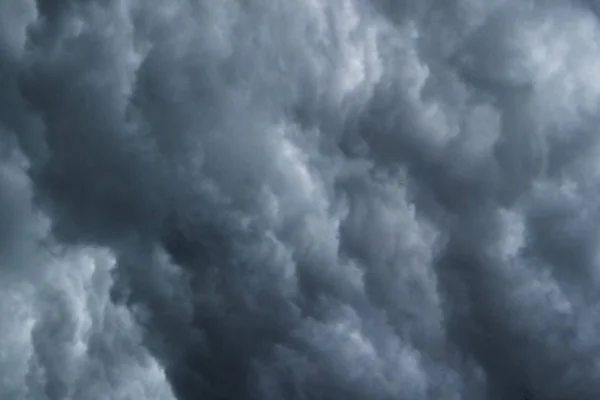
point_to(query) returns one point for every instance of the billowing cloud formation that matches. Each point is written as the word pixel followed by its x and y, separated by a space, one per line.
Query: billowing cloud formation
pixel 358 199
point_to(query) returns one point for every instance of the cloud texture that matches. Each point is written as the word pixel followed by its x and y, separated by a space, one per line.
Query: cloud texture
pixel 285 199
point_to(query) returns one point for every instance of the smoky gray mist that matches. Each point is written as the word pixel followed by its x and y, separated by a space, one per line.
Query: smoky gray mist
pixel 299 199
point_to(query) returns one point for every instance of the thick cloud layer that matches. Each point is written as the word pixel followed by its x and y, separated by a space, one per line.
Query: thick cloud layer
pixel 345 199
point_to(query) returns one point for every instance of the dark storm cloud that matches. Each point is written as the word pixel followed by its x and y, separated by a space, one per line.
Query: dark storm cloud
pixel 299 200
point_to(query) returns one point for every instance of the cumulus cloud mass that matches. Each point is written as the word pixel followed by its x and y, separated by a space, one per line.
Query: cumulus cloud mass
pixel 299 199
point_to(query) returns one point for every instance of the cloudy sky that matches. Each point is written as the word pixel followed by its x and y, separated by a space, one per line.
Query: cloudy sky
pixel 299 199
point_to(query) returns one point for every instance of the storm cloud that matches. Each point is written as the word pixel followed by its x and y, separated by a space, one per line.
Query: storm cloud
pixel 299 199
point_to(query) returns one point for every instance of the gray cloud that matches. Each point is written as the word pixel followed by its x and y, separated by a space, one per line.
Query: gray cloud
pixel 299 200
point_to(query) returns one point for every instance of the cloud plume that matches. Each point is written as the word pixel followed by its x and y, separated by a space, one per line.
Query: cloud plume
pixel 358 199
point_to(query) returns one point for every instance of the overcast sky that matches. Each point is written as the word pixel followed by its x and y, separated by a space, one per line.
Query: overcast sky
pixel 299 199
